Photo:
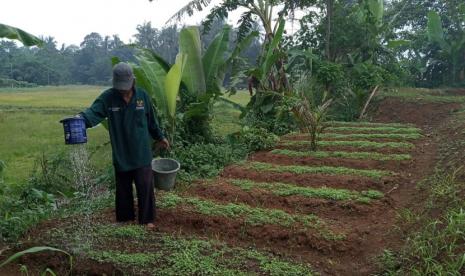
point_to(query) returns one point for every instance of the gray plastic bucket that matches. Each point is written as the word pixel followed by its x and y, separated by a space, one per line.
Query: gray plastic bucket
pixel 164 173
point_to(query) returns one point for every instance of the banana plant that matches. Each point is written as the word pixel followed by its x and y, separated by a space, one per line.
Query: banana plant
pixel 17 34
pixel 162 83
pixel 452 48
pixel 201 78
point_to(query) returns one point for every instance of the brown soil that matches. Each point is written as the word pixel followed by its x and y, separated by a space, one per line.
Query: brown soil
pixel 424 115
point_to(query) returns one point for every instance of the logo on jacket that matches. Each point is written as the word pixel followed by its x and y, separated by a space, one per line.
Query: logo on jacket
pixel 139 104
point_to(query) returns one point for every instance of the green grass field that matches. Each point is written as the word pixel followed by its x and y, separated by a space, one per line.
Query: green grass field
pixel 29 123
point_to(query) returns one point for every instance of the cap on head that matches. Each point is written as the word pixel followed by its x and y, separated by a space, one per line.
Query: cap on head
pixel 123 77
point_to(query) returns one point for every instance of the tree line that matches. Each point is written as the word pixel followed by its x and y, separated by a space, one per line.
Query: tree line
pixel 90 62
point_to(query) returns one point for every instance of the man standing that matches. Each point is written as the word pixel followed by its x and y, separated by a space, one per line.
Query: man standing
pixel 132 125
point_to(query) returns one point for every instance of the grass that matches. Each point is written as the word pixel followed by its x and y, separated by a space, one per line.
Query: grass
pixel 375 174
pixel 29 123
pixel 282 189
pixel 28 135
pixel 424 95
pixel 344 154
pixel 354 144
pixel 252 216
pixel 358 129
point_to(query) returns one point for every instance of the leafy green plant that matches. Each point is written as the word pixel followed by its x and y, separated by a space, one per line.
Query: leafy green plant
pixel 37 249
pixel 376 174
pixel 451 46
pixel 343 154
pixel 311 118
pixel 256 139
pixel 17 34
pixel 206 160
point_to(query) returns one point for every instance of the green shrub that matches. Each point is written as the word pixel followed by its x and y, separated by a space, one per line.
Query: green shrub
pixel 206 160
pixel 257 138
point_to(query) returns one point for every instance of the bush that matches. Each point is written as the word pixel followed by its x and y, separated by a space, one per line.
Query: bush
pixel 206 160
pixel 256 139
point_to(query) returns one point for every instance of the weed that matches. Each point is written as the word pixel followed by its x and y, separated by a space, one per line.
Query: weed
pixel 344 154
pixel 355 144
pixel 126 231
pixel 282 189
pixel 125 259
pixel 375 174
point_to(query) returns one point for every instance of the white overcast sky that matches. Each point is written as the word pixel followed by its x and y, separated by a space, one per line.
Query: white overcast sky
pixel 68 21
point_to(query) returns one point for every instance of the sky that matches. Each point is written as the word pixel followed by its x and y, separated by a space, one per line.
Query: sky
pixel 68 21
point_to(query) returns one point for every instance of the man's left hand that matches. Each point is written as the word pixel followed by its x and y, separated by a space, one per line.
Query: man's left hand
pixel 163 144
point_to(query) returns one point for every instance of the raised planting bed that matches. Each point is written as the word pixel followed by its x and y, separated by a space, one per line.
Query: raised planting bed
pixel 328 205
pixel 283 189
pixel 326 170
pixel 358 129
pixel 369 124
pixel 249 215
pixel 146 253
pixel 343 154
pixel 357 136
pixel 362 144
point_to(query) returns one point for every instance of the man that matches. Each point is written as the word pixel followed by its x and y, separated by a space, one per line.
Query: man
pixel 132 125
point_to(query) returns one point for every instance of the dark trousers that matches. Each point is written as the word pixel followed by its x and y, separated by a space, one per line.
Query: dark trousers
pixel 143 178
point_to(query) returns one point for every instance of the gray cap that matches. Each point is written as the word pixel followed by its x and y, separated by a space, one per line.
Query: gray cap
pixel 123 76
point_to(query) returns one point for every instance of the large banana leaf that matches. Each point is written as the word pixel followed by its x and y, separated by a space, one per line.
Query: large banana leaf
pixel 193 74
pixel 377 10
pixel 172 83
pixel 214 61
pixel 435 30
pixel 270 57
pixel 150 75
pixel 14 33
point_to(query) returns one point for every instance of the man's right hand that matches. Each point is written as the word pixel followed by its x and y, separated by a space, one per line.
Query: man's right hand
pixel 164 144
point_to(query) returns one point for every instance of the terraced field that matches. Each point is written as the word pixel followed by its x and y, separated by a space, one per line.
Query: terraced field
pixel 287 211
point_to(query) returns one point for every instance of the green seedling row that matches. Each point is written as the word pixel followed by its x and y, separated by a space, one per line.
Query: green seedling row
pixel 180 256
pixel 358 129
pixel 410 136
pixel 375 174
pixel 251 215
pixel 344 154
pixel 368 124
pixel 355 144
pixel 282 189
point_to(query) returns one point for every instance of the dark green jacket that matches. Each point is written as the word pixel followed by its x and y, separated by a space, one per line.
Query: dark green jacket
pixel 131 127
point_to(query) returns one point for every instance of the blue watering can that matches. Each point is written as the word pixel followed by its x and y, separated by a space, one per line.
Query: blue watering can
pixel 75 130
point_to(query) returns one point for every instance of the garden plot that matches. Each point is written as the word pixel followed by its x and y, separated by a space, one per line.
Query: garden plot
pixel 286 210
